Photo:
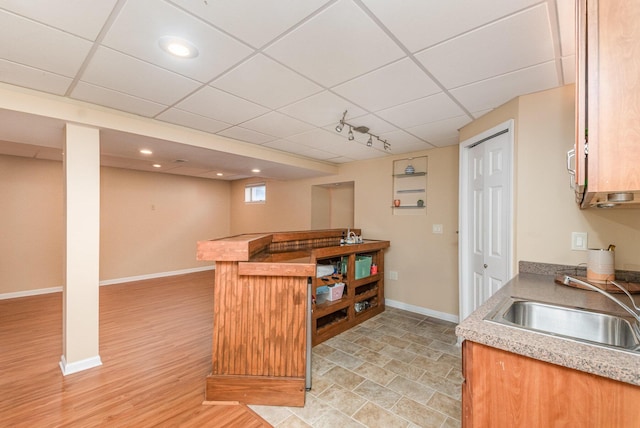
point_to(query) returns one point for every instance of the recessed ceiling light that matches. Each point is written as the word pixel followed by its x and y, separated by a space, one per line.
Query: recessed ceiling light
pixel 219 174
pixel 157 165
pixel 146 152
pixel 178 47
pixel 256 170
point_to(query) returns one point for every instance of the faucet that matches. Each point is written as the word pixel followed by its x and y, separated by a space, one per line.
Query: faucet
pixel 636 314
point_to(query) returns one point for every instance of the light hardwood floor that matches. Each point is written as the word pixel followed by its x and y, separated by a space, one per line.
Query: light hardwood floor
pixel 155 346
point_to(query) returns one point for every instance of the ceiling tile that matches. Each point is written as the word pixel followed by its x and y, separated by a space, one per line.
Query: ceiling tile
pixel 29 43
pixel 122 73
pixel 150 20
pixel 419 24
pixel 425 110
pixel 567 23
pixel 492 93
pixel 440 130
pixel 29 77
pixel 277 124
pixel 243 134
pixel 391 85
pixel 321 140
pixel 266 82
pixel 299 149
pixel 216 104
pixel 321 109
pixel 190 120
pixel 507 45
pixel 401 142
pixel 245 19
pixel 399 137
pixel 338 44
pixel 80 17
pixel 117 100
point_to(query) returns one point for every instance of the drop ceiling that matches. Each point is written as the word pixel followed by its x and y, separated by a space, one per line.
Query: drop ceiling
pixel 279 73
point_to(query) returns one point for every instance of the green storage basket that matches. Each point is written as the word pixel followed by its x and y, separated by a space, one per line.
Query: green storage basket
pixel 363 266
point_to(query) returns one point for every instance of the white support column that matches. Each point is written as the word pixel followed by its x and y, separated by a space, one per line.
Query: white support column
pixel 80 329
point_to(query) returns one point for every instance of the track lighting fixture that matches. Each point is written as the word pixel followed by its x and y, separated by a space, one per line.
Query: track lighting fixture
pixel 362 130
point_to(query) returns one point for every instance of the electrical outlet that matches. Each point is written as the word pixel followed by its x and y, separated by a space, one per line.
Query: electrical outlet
pixel 437 228
pixel 393 274
pixel 579 241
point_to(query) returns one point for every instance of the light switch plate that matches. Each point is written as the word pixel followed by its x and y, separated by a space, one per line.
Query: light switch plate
pixel 579 241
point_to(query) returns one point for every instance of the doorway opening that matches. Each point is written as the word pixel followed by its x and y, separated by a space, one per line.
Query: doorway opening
pixel 332 205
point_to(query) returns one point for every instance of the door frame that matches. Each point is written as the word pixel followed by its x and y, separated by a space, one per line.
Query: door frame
pixel 465 266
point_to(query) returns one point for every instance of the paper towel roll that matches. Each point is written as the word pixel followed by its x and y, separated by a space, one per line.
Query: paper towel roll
pixel 601 265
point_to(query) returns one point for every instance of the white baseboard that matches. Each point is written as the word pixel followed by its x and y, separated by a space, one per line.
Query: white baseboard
pixel 78 366
pixel 422 311
pixel 36 292
pixel 155 275
pixel 29 293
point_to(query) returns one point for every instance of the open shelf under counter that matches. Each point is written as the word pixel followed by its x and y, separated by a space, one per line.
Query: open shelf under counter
pixel 332 318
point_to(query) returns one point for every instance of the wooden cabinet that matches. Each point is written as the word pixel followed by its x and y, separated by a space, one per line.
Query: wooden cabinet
pixel 502 389
pixel 363 294
pixel 607 149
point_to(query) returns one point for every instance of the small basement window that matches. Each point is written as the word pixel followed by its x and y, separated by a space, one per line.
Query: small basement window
pixel 256 192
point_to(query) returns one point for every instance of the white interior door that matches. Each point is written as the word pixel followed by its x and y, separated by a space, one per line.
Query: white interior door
pixel 485 216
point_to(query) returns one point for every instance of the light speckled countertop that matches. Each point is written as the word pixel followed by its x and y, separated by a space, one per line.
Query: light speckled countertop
pixel 620 365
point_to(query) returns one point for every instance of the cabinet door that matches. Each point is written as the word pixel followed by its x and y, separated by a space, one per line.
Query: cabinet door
pixel 502 389
pixel 581 98
pixel 608 98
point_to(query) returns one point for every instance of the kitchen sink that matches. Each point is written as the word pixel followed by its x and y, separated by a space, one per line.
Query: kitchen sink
pixel 585 325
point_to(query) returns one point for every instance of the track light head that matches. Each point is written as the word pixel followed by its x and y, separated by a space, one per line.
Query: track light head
pixel 339 127
pixel 351 137
pixel 370 142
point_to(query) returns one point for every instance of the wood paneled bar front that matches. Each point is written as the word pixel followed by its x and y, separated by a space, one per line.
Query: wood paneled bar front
pixel 261 304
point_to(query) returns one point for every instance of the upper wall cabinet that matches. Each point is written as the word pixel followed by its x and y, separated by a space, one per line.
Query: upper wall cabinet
pixel 607 149
pixel 410 186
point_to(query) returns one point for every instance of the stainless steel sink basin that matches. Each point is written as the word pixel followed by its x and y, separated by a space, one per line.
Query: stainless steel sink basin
pixel 600 328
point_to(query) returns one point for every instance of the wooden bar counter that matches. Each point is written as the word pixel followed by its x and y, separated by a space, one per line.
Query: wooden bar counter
pixel 260 313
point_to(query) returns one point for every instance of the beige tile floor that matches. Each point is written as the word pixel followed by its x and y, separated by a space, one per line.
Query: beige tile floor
pixel 398 369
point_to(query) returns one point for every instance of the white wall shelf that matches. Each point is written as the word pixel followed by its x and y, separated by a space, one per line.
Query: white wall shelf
pixel 410 186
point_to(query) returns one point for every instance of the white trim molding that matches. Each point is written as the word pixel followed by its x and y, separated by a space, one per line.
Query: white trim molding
pixel 78 366
pixel 422 311
pixel 155 275
pixel 36 292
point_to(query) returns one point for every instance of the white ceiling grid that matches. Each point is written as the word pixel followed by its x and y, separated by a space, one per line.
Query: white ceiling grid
pixel 280 73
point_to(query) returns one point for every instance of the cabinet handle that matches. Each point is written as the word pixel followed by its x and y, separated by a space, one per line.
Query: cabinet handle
pixel 571 156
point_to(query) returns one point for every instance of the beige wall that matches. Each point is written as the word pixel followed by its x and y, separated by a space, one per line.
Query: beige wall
pixel 31 224
pixel 150 222
pixel 546 213
pixel 426 263
pixel 342 200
